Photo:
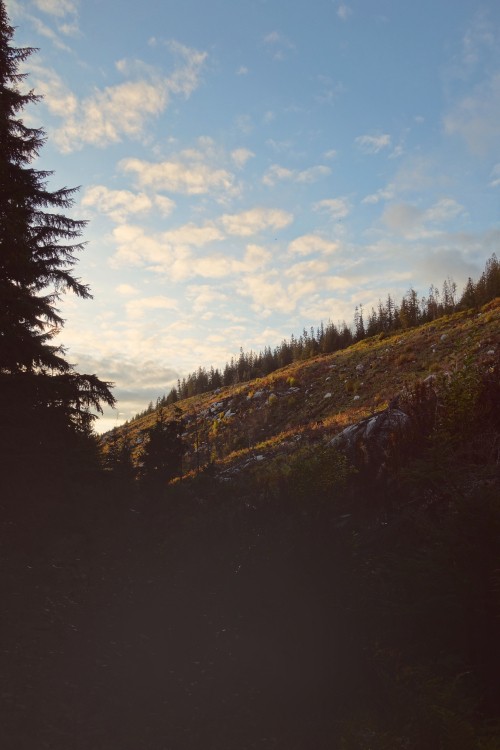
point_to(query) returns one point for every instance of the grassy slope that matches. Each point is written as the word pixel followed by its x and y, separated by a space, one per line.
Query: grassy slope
pixel 318 397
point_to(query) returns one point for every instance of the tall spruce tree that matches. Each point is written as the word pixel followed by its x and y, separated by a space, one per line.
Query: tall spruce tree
pixel 43 400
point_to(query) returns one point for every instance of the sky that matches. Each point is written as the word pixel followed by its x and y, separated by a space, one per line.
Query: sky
pixel 251 168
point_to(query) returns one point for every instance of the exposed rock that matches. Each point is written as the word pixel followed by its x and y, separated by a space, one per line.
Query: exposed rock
pixel 372 443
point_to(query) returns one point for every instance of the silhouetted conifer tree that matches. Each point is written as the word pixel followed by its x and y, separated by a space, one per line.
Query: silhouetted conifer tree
pixel 162 456
pixel 44 403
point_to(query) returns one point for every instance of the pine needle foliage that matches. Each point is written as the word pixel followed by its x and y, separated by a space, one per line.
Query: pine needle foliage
pixel 42 397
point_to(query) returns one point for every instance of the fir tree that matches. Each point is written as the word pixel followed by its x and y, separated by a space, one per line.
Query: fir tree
pixel 42 398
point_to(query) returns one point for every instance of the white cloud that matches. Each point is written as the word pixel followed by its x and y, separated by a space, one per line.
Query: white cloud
pixel 268 295
pixel 122 110
pixel 338 208
pixel 311 243
pixel 402 218
pixel 307 268
pixel 412 222
pixel 477 37
pixel 278 44
pixel 372 144
pixel 118 204
pixel 127 290
pixel 330 154
pixel 256 256
pixel 203 296
pixel 57 97
pixel 255 220
pixel 277 173
pixel 384 194
pixel 242 71
pixel 495 174
pixel 476 118
pixel 443 211
pixel 57 8
pixel 137 308
pixel 397 152
pixel 343 12
pixel 161 251
pixel 240 156
pixel 188 174
pixel 244 123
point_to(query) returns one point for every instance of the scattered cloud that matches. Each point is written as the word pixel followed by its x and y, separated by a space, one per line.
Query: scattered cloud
pixel 476 118
pixel 242 71
pixel 329 90
pixel 137 308
pixel 58 8
pixel 127 290
pixel 122 110
pixel 119 204
pixel 384 194
pixel 312 243
pixel 255 220
pixel 188 174
pixel 337 208
pixel 495 176
pixel 397 152
pixel 278 45
pixel 372 144
pixel 268 294
pixel 276 174
pixel 412 222
pixel 58 99
pixel 202 297
pixel 244 123
pixel 478 36
pixel 162 252
pixel 344 12
pixel 240 156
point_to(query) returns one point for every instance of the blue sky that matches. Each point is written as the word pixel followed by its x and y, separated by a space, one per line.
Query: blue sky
pixel 250 168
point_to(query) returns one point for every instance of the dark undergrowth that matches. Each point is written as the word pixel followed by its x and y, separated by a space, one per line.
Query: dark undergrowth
pixel 319 610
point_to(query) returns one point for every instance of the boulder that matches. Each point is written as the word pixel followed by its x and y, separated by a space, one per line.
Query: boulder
pixel 373 443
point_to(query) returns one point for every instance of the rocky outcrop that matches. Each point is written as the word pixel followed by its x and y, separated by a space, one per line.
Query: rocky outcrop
pixel 374 443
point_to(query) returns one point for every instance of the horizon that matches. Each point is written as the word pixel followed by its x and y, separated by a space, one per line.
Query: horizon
pixel 259 170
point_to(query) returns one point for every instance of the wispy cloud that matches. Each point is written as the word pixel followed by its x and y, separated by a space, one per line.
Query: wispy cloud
pixel 58 8
pixel 137 308
pixel 119 204
pixel 344 12
pixel 122 110
pixel 495 176
pixel 240 156
pixel 476 118
pixel 372 144
pixel 277 173
pixel 312 243
pixel 191 172
pixel 337 208
pixel 278 45
pixel 255 220
pixel 412 222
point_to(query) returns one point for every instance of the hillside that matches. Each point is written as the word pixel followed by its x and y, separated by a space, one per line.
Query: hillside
pixel 313 400
pixel 278 596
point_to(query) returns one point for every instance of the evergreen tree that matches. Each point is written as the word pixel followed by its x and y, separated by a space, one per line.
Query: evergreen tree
pixel 43 401
pixel 163 447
